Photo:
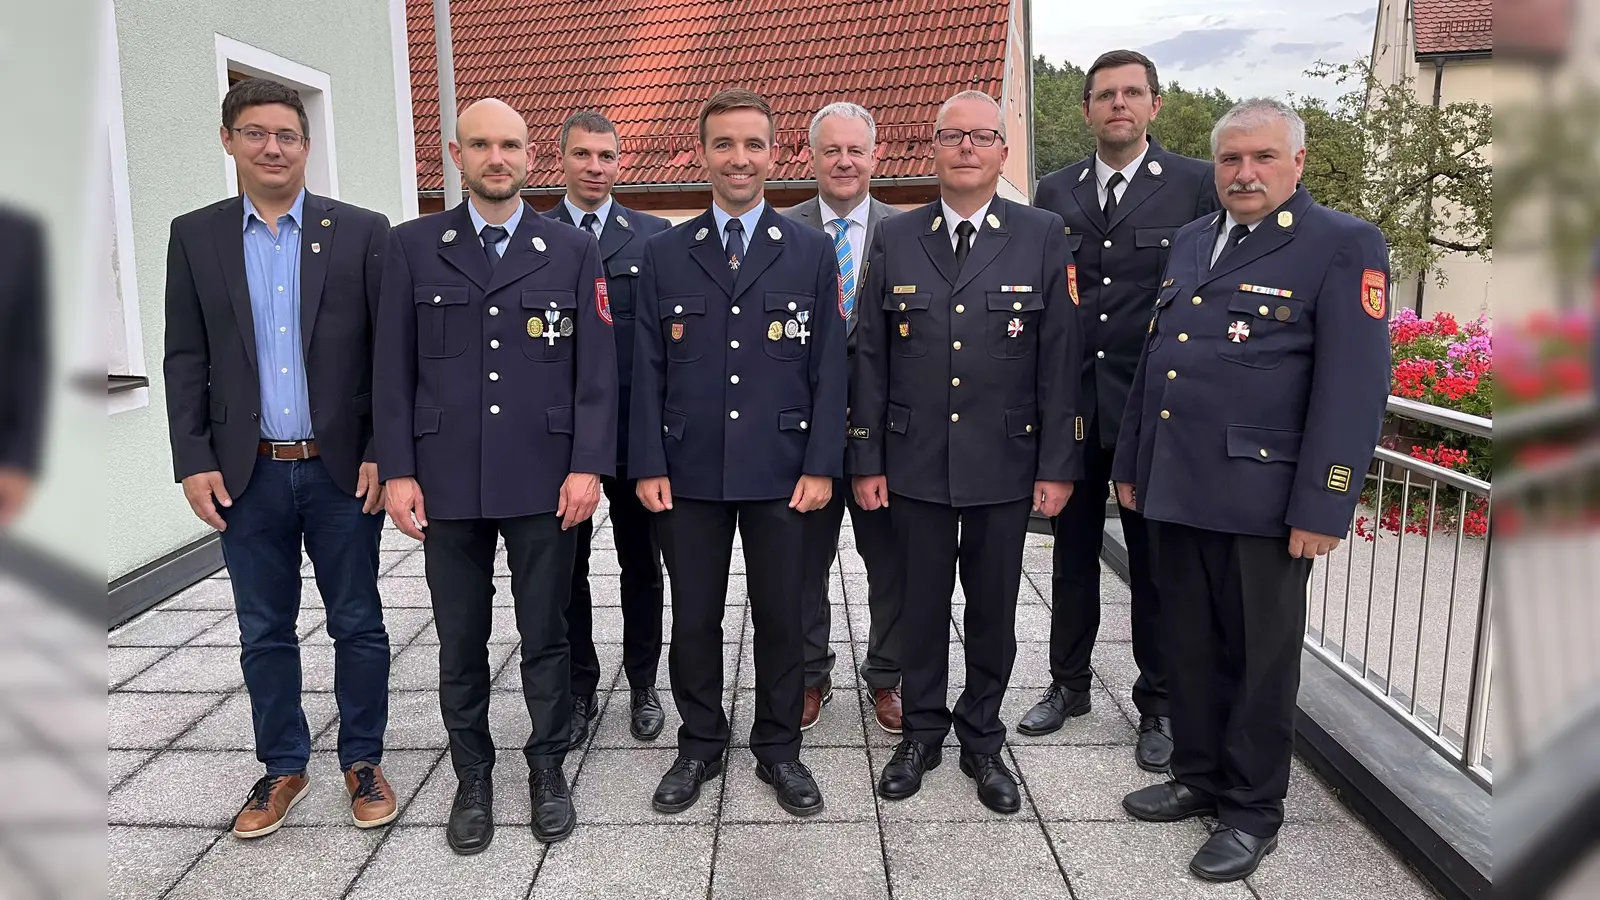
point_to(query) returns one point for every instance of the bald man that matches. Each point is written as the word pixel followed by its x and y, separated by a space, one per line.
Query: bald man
pixel 495 402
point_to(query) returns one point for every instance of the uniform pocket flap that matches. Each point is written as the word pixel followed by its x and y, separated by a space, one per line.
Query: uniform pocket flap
pixel 1022 421
pixel 1015 301
pixel 1074 242
pixel 441 295
pixel 796 419
pixel 425 420
pixel 899 418
pixel 549 299
pixel 682 305
pixel 893 301
pixel 787 301
pixel 672 423
pixel 1153 237
pixel 1263 444
pixel 219 411
pixel 1266 306
pixel 560 419
pixel 618 267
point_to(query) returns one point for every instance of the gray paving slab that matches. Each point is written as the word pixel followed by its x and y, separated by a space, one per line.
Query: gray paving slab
pixel 1135 861
pixel 209 593
pixel 320 862
pixel 159 628
pixel 1081 783
pixel 763 862
pixel 202 788
pixel 839 724
pixel 121 763
pixel 415 723
pixel 229 726
pixel 614 734
pixel 141 863
pixel 192 669
pixel 416 863
pixel 639 862
pixel 843 775
pixel 615 787
pixel 971 861
pixel 404 593
pixel 152 721
pixel 123 663
pixel 1103 724
pixel 1359 864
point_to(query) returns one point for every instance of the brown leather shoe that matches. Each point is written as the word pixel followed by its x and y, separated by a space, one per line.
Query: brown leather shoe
pixel 816 699
pixel 371 800
pixel 269 803
pixel 886 703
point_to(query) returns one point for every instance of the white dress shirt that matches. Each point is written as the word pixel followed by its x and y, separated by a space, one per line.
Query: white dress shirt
pixel 951 220
pixel 577 214
pixel 1222 235
pixel 1103 173
pixel 510 225
pixel 857 225
pixel 750 220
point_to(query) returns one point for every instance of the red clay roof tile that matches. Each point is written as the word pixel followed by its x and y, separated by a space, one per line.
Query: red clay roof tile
pixel 1453 26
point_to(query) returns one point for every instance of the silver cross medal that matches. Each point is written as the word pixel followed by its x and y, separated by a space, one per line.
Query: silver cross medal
pixel 804 333
pixel 554 318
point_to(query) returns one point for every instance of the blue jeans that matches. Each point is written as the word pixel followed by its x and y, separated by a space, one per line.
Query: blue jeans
pixel 285 500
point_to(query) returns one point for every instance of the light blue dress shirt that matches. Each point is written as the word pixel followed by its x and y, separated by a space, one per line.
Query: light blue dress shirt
pixel 603 213
pixel 272 270
pixel 750 220
pixel 510 225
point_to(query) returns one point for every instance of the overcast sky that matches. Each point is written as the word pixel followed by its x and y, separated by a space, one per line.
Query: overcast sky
pixel 1245 47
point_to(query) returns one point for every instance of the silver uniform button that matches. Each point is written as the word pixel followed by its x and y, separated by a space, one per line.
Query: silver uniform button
pixel 1165 242
pixel 494 345
pixel 494 376
pixel 805 425
pixel 494 410
pixel 1108 243
pixel 736 310
pixel 734 379
pixel 633 269
pixel 678 310
pixel 437 298
pixel 494 310
pixel 1105 281
pixel 733 344
pixel 791 306
pixel 734 414
pixel 1100 354
pixel 1104 317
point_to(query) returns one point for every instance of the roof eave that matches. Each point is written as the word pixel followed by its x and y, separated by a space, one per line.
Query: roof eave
pixel 685 186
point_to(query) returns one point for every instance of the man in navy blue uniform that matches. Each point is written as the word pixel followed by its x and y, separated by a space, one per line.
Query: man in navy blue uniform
pixel 495 403
pixel 963 393
pixel 738 416
pixel 1122 206
pixel 589 161
pixel 1248 433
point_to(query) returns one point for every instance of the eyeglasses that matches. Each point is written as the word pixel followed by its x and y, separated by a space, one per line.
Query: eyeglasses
pixel 255 137
pixel 952 137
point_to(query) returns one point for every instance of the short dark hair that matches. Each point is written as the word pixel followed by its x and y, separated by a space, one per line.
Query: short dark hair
pixel 1116 58
pixel 732 99
pixel 260 92
pixel 587 120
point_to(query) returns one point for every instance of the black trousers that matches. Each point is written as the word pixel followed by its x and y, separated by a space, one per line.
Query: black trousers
pixel 459 559
pixel 875 541
pixel 987 541
pixel 1075 588
pixel 639 553
pixel 697 542
pixel 1235 616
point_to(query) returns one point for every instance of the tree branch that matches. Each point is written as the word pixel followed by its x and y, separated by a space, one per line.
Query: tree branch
pixel 1459 247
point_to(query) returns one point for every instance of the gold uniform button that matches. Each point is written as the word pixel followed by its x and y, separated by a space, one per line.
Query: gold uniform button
pixel 956 345
pixel 960 308
pixel 1029 429
pixel 1281 314
pixel 1183 337
pixel 955 382
pixel 955 417
pixel 903 307
pixel 1263 453
pixel 1262 310
pixel 1171 374
pixel 1016 306
pixel 1165 414
pixel 1195 300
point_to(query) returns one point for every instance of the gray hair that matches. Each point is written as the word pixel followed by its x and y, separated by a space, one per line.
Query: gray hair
pixel 1251 114
pixel 999 116
pixel 847 111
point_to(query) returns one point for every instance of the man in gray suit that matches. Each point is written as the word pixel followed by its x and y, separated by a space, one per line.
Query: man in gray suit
pixel 842 139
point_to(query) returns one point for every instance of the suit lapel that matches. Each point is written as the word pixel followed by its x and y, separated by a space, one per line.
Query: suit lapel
pixel 987 242
pixel 228 234
pixel 559 213
pixel 316 243
pixel 707 251
pixel 522 256
pixel 936 241
pixel 462 249
pixel 1207 243
pixel 1267 237
pixel 761 251
pixel 1087 193
pixel 618 233
pixel 1144 185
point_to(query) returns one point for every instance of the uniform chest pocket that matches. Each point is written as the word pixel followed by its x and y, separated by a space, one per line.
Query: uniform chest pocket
pixel 1074 242
pixel 1013 324
pixel 1154 244
pixel 909 322
pixel 548 324
pixel 444 320
pixel 1261 329
pixel 683 326
pixel 788 324
pixel 622 279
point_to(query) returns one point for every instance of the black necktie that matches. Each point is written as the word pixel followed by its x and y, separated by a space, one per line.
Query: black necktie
pixel 964 231
pixel 492 234
pixel 1110 208
pixel 590 220
pixel 735 230
pixel 1235 234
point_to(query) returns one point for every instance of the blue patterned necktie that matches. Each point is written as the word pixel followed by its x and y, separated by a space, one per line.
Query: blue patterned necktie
pixel 847 265
pixel 735 230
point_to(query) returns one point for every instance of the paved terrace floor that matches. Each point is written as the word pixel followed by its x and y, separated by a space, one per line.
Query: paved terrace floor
pixel 180 762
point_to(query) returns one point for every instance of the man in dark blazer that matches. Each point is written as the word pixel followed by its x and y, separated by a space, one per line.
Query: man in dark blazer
pixel 738 416
pixel 589 154
pixel 496 418
pixel 1122 207
pixel 842 140
pixel 24 359
pixel 964 390
pixel 271 298
pixel 1249 428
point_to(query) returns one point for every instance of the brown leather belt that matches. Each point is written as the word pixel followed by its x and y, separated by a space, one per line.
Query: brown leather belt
pixel 287 449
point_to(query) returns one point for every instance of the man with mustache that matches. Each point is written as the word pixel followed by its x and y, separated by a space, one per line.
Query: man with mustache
pixel 1248 432
pixel 496 406
pixel 1122 206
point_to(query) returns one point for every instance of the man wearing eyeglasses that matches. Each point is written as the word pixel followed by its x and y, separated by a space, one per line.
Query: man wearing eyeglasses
pixel 963 396
pixel 271 298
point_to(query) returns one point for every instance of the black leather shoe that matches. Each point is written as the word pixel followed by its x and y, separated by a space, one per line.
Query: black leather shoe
pixel 583 709
pixel 553 816
pixel 1154 752
pixel 797 790
pixel 902 775
pixel 1169 802
pixel 471 825
pixel 997 787
pixel 1230 854
pixel 1053 709
pixel 680 787
pixel 647 715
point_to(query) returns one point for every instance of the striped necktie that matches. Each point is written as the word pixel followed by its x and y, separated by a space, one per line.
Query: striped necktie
pixel 847 265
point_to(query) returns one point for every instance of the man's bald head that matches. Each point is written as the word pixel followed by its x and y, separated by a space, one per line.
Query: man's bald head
pixel 491 149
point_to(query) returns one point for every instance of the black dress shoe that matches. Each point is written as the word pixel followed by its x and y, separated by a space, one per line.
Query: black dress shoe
pixel 1154 752
pixel 1053 709
pixel 1169 802
pixel 680 787
pixel 1230 854
pixel 902 776
pixel 647 715
pixel 471 825
pixel 553 816
pixel 797 790
pixel 997 787
pixel 583 709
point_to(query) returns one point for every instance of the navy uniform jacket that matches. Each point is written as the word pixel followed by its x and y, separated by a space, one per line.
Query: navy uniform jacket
pixel 964 389
pixel 1120 264
pixel 475 395
pixel 622 257
pixel 24 343
pixel 726 402
pixel 1263 383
